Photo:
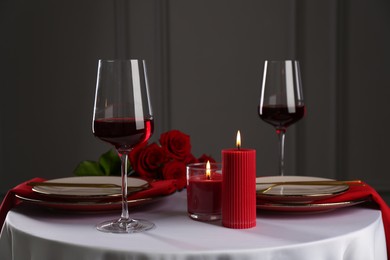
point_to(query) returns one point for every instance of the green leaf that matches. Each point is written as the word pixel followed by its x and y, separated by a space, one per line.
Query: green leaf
pixel 87 168
pixel 110 163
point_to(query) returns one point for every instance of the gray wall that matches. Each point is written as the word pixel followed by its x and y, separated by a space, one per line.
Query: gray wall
pixel 205 60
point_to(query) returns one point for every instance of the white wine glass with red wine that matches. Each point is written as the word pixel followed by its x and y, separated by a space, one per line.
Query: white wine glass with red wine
pixel 123 117
pixel 281 100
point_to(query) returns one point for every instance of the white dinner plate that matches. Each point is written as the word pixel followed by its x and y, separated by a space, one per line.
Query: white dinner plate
pixel 297 193
pixel 87 193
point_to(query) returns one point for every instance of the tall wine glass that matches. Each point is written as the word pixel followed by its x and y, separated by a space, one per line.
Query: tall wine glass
pixel 123 117
pixel 281 101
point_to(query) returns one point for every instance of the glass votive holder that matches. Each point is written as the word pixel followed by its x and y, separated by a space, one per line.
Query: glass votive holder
pixel 204 191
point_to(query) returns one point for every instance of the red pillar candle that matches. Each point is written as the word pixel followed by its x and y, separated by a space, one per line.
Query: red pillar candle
pixel 204 189
pixel 239 187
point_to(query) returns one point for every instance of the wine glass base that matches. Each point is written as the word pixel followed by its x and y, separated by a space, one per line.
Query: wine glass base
pixel 125 226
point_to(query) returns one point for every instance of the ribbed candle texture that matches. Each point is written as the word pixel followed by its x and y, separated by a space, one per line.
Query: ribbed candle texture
pixel 239 188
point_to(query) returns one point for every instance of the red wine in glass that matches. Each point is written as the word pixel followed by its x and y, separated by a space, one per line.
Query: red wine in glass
pixel 281 101
pixel 123 133
pixel 123 117
pixel 281 116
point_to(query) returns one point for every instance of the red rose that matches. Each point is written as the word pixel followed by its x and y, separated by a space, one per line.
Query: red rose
pixel 176 144
pixel 190 159
pixel 147 159
pixel 134 154
pixel 205 158
pixel 175 170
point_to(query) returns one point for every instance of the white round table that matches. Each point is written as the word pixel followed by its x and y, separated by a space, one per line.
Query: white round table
pixel 350 233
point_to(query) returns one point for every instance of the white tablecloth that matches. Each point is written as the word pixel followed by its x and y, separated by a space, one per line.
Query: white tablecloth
pixel 354 233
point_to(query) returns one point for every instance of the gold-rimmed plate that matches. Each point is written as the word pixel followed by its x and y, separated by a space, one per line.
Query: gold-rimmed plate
pixel 87 193
pixel 85 206
pixel 296 193
pixel 307 208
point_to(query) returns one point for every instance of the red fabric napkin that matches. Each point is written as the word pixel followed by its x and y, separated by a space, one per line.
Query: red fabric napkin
pixel 158 188
pixel 356 192
pixel 11 201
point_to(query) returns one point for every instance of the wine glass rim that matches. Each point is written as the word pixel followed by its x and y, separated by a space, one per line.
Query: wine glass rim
pixel 120 60
pixel 282 60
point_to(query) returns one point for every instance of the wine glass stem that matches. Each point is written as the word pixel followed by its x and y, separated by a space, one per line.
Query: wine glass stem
pixel 281 134
pixel 125 208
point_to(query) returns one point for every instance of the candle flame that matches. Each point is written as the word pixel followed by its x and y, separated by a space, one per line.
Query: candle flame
pixel 238 140
pixel 208 171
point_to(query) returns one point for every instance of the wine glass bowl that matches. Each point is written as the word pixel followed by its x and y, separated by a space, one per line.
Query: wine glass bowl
pixel 281 100
pixel 123 117
pixel 122 132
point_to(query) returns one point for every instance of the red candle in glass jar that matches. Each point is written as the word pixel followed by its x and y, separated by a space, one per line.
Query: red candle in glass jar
pixel 204 189
pixel 239 187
